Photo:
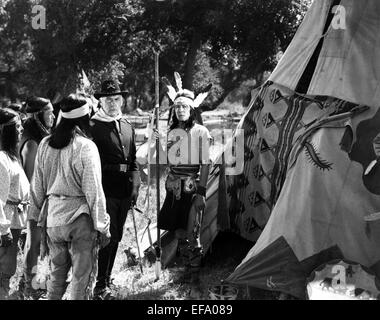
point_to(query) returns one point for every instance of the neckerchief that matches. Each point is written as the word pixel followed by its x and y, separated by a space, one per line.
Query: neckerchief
pixel 102 116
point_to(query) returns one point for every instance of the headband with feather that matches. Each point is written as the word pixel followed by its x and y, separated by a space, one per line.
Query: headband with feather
pixel 184 95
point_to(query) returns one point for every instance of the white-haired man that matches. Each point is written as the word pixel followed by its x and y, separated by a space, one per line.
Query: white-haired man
pixel 115 138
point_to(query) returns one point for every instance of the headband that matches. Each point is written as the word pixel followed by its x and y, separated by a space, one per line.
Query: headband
pixel 184 100
pixel 14 120
pixel 35 114
pixel 184 95
pixel 77 113
pixel 46 107
pixel 49 106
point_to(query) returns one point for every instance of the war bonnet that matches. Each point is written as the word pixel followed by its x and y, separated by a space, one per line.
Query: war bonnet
pixel 185 96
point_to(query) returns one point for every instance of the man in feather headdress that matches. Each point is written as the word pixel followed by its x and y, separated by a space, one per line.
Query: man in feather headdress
pixel 188 159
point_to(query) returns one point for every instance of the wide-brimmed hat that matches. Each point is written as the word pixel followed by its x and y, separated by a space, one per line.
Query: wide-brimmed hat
pixel 110 87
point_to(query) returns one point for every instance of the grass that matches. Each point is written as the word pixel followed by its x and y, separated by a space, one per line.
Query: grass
pixel 225 254
pixel 134 285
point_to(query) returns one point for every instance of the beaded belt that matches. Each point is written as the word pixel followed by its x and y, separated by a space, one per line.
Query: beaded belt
pixel 20 205
pixel 173 184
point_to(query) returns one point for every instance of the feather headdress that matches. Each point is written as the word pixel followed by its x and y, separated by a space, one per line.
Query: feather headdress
pixel 183 95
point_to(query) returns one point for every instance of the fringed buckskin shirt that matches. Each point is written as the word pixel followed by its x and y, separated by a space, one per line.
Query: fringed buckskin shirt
pixel 71 179
pixel 195 147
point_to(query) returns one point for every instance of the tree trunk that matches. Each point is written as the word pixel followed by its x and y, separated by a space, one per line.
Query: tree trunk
pixel 191 59
pixel 10 86
pixel 231 84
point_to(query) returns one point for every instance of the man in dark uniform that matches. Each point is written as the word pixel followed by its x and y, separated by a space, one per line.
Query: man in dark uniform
pixel 115 139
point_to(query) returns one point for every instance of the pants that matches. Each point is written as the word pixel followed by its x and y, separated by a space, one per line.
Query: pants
pixel 72 245
pixel 31 253
pixel 189 242
pixel 117 210
pixel 8 263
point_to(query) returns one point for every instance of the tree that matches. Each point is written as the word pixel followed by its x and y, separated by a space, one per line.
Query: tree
pixel 15 53
pixel 79 34
pixel 239 37
pixel 218 41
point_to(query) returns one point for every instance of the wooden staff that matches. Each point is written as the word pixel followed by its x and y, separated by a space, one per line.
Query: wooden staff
pixel 157 108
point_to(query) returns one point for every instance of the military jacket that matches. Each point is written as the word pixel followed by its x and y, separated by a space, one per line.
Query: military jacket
pixel 117 149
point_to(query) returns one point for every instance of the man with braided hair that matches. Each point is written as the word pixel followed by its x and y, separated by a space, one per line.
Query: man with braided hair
pixel 37 126
pixel 188 158
pixel 14 196
pixel 68 201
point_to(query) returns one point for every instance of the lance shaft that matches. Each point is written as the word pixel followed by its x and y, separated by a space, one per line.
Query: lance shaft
pixel 157 107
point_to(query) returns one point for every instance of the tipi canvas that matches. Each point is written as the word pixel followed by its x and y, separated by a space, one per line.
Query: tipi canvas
pixel 311 175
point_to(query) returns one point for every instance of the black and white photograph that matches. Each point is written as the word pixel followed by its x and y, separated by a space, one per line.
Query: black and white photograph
pixel 191 154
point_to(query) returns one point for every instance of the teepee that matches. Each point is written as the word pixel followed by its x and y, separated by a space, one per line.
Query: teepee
pixel 310 175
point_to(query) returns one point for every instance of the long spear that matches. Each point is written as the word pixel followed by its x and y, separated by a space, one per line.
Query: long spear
pixel 157 107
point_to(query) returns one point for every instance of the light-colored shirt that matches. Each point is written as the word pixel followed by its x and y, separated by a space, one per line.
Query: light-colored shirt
pixel 14 187
pixel 71 178
pixel 187 151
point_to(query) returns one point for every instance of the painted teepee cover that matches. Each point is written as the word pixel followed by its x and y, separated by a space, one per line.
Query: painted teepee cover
pixel 303 195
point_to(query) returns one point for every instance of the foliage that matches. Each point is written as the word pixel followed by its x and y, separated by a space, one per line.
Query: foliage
pixel 218 41
pixel 15 54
